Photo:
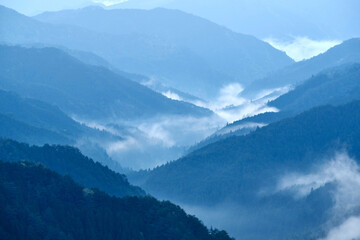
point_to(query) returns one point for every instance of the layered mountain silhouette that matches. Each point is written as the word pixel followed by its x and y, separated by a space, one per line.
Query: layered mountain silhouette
pixel 38 115
pixel 320 128
pixel 337 85
pixel 81 90
pixel 237 170
pixel 275 19
pixel 184 51
pixel 347 52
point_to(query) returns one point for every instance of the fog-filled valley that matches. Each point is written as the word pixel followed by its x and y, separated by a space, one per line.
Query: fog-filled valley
pixel 147 119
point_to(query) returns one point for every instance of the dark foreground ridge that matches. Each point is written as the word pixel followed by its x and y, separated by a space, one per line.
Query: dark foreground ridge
pixel 37 203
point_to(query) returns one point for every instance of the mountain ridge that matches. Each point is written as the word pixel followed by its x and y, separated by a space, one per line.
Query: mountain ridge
pixel 208 42
pixel 64 81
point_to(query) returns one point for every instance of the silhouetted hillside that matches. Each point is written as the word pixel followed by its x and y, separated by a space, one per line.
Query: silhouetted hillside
pixel 15 129
pixel 39 114
pixel 347 52
pixel 243 172
pixel 335 86
pixel 40 204
pixel 69 160
pixel 82 90
pixel 338 85
pixel 181 50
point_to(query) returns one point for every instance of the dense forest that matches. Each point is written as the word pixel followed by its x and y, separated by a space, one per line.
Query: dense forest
pixel 68 160
pixel 335 86
pixel 39 204
pixel 239 175
pixel 231 168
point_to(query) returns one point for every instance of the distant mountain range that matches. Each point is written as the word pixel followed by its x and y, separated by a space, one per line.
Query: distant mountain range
pixel 347 52
pixel 181 50
pixel 330 78
pixel 279 19
pixel 235 171
pixel 40 204
pixel 81 90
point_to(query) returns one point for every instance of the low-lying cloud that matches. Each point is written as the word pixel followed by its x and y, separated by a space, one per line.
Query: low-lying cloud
pixel 343 172
pixel 147 143
pixel 301 48
pixel 340 170
pixel 348 230
pixel 232 106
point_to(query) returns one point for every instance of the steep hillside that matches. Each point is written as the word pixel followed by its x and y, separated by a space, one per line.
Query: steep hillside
pixel 178 49
pixel 243 173
pixel 347 52
pixel 39 114
pixel 85 91
pixel 68 160
pixel 283 144
pixel 40 204
pixel 21 131
pixel 337 85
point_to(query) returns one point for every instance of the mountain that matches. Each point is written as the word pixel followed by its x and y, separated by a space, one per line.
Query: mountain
pixel 277 19
pixel 117 50
pixel 81 90
pixel 186 52
pixel 347 52
pixel 40 115
pixel 239 175
pixel 16 129
pixel 319 128
pixel 40 204
pixel 68 160
pixel 335 86
pixel 36 122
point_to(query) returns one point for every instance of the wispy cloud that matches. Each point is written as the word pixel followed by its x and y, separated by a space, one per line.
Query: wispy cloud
pixel 301 48
pixel 232 106
pixel 343 172
pixel 148 143
pixel 172 95
pixel 348 230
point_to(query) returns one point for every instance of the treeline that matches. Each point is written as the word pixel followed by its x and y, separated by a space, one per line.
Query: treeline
pixel 68 160
pixel 37 203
